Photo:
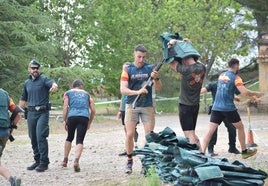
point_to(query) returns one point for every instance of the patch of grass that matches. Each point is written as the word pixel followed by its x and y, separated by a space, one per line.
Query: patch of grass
pixel 169 106
pixel 152 178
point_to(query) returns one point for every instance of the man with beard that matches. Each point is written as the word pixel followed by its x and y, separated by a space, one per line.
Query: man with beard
pixel 224 107
pixel 35 92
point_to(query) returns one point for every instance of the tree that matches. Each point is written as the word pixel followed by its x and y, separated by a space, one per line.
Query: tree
pixel 24 35
pixel 64 76
pixel 118 27
pixel 210 25
pixel 260 13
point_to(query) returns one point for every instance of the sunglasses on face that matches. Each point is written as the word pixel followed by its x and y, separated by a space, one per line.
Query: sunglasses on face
pixel 34 68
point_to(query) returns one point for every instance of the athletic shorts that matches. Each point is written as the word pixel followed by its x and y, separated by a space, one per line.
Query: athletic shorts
pixel 3 142
pixel 219 116
pixel 145 114
pixel 123 117
pixel 188 116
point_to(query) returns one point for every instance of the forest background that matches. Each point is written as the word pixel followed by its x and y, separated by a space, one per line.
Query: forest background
pixel 91 40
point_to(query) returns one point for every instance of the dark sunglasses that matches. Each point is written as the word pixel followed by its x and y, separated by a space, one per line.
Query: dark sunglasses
pixel 35 68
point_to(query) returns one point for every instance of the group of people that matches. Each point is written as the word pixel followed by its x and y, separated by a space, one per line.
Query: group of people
pixel 79 109
pixel 192 75
pixel 78 114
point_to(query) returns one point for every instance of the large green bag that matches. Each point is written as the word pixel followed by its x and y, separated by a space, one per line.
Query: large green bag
pixel 178 51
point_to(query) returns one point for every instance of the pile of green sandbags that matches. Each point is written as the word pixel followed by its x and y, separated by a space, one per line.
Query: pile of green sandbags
pixel 180 163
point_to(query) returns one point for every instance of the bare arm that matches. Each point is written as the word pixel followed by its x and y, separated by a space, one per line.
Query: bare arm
pixel 92 114
pixel 22 103
pixel 125 90
pixel 54 87
pixel 203 90
pixel 174 65
pixel 157 81
pixel 65 110
pixel 158 85
pixel 249 93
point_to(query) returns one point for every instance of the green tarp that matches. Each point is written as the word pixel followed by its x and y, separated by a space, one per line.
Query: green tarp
pixel 180 163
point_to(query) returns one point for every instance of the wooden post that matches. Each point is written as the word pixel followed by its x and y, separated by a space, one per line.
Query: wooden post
pixel 263 62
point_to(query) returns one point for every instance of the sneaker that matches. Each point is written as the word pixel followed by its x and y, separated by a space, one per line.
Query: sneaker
pixel 33 166
pixel 122 154
pixel 129 167
pixel 64 163
pixel 234 150
pixel 76 167
pixel 41 167
pixel 211 153
pixel 248 153
pixel 15 181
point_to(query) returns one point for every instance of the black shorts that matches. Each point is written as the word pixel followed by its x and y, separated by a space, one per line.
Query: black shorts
pixel 219 116
pixel 188 116
pixel 78 124
pixel 123 117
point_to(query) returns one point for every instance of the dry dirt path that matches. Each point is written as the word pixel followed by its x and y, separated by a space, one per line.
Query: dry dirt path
pixel 100 163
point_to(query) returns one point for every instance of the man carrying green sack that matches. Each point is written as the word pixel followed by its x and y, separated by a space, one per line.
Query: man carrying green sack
pixel 183 58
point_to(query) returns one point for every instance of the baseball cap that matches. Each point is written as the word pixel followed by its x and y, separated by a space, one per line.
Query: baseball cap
pixel 34 63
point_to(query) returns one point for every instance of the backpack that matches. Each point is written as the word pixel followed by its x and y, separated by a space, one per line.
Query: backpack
pixel 4 114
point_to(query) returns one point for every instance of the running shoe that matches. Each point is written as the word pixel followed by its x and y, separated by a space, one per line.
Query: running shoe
pixel 129 167
pixel 248 153
pixel 76 167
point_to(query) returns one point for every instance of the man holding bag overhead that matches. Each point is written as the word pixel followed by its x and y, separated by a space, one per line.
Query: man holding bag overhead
pixel 183 58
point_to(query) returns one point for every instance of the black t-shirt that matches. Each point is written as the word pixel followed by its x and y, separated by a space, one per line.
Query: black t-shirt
pixel 191 82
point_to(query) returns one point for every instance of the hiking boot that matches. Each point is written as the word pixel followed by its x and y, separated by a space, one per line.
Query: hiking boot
pixel 14 181
pixel 33 166
pixel 248 153
pixel 233 150
pixel 129 167
pixel 76 167
pixel 41 167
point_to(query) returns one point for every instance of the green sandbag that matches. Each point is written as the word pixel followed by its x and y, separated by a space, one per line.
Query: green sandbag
pixel 153 137
pixel 208 173
pixel 241 175
pixel 167 132
pixel 178 51
pixel 191 158
pixel 242 182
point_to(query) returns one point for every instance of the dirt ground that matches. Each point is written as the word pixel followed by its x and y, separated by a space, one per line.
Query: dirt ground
pixel 100 163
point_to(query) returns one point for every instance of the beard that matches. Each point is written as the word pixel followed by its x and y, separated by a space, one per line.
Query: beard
pixel 35 74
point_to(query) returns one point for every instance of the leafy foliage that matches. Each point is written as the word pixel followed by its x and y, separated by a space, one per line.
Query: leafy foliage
pixel 101 35
pixel 24 34
pixel 65 76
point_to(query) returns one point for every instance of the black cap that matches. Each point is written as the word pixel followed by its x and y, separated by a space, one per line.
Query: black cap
pixel 35 63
